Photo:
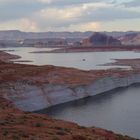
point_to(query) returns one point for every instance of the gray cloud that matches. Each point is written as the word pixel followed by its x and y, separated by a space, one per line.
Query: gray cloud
pixel 14 9
pixel 64 3
pixel 71 2
pixel 89 15
pixel 111 13
pixel 134 3
pixel 11 10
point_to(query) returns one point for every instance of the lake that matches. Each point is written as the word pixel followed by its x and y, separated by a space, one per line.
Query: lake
pixel 117 110
pixel 92 60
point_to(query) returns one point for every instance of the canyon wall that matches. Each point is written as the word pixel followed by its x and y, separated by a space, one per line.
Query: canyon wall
pixel 30 97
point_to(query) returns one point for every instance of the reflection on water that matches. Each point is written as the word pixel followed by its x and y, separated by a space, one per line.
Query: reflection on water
pixel 117 110
pixel 92 60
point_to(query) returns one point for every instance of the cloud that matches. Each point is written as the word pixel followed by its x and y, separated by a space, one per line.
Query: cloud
pixel 134 3
pixel 40 15
pixel 67 2
pixel 22 24
pixel 15 9
pixel 111 13
pixel 57 17
pixel 89 26
pixel 81 15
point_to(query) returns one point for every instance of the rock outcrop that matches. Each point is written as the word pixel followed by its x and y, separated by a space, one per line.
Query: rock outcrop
pixel 98 39
pixel 130 39
pixel 32 97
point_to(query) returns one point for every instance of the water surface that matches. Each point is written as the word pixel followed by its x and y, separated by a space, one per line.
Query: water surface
pixel 117 110
pixel 92 60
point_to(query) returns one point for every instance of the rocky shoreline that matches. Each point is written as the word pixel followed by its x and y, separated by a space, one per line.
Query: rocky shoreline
pixel 33 97
pixel 78 49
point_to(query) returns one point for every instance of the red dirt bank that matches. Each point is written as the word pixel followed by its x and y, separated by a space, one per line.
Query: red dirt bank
pixel 16 124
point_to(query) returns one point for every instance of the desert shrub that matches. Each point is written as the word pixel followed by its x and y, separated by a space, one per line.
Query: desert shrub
pixel 55 138
pixel 38 124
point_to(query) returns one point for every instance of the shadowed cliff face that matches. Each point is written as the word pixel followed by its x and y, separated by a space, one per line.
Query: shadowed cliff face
pixel 101 39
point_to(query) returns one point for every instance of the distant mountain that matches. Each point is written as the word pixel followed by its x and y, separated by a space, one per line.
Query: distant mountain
pixel 18 38
pixel 130 39
pixel 11 35
pixel 101 39
pixel 118 34
pixel 19 35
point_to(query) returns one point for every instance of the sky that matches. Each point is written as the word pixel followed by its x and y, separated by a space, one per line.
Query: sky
pixel 70 15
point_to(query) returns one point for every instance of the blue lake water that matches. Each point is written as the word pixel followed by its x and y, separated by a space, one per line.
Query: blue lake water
pixel 117 110
pixel 93 60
